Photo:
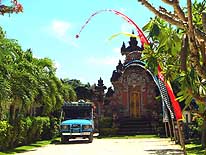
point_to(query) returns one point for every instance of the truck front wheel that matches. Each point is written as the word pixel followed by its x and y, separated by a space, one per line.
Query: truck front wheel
pixel 90 138
pixel 64 139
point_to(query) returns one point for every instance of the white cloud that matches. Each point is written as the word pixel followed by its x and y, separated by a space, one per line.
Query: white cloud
pixel 113 61
pixel 57 65
pixel 62 31
pixel 125 27
pixel 123 10
pixel 60 28
pixel 35 56
pixel 102 61
pixel 108 60
pixel 116 50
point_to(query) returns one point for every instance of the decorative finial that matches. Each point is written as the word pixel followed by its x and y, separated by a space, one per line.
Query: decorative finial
pixel 123 45
pixel 119 67
pixel 100 82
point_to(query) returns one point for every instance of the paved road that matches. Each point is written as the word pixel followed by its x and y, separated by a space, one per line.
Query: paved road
pixel 111 147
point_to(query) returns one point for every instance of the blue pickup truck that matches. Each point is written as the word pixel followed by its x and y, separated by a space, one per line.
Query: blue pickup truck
pixel 77 121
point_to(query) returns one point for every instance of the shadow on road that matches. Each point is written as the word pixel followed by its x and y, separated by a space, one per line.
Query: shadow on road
pixel 73 141
pixel 165 151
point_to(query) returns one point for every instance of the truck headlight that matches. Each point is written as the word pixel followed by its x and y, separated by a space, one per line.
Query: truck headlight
pixel 85 127
pixel 64 127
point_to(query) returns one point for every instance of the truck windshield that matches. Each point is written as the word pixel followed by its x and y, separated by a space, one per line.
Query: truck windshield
pixel 76 113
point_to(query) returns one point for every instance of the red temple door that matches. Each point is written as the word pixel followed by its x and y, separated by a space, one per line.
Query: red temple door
pixel 135 103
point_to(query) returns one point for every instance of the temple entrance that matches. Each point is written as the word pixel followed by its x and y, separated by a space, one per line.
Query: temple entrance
pixel 134 87
pixel 135 102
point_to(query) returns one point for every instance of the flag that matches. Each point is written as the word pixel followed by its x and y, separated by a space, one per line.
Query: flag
pixel 165 117
pixel 165 101
pixel 141 35
pixel 175 103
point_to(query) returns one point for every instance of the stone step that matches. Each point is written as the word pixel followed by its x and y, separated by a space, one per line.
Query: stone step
pixel 135 129
pixel 134 120
pixel 135 133
pixel 135 126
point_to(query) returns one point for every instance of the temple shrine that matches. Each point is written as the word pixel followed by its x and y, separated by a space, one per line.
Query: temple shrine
pixel 134 91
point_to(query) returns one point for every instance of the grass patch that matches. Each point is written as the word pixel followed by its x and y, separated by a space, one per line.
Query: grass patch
pixel 128 137
pixel 28 147
pixel 194 149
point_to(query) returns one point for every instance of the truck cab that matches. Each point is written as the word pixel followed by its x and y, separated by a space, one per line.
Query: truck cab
pixel 77 121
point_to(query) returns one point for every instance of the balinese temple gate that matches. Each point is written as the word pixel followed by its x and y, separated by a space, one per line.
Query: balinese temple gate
pixel 134 92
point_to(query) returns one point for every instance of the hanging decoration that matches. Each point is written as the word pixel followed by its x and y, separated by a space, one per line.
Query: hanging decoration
pixel 142 37
pixel 175 103
pixel 123 33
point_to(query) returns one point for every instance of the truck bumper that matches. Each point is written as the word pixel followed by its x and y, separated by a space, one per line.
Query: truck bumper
pixel 76 134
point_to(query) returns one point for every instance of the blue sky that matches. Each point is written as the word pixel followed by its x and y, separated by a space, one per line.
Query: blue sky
pixel 49 28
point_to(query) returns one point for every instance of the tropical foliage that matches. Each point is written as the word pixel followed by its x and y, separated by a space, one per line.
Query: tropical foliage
pixel 178 44
pixel 28 88
pixel 27 130
pixel 15 7
pixel 83 91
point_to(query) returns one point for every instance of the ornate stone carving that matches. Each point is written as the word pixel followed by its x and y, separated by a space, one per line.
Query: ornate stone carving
pixel 131 78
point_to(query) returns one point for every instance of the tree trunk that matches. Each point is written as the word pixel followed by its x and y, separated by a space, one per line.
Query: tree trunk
pixel 1 111
pixel 12 114
pixel 203 50
pixel 204 21
pixel 203 139
pixel 184 53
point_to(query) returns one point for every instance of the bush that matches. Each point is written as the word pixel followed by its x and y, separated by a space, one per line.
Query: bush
pixel 45 134
pixel 39 128
pixel 108 131
pixel 54 127
pixel 105 127
pixel 105 122
pixel 27 127
pixel 27 130
pixel 20 131
pixel 5 129
pixel 50 128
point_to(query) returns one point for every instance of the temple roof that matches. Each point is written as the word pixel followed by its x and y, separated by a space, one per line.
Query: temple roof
pixel 110 92
pixel 100 82
pixel 133 46
pixel 100 85
pixel 133 56
pixel 115 76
